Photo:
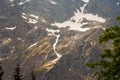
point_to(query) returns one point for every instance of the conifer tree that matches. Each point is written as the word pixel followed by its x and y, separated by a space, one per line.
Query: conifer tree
pixel 108 67
pixel 33 76
pixel 1 72
pixel 17 75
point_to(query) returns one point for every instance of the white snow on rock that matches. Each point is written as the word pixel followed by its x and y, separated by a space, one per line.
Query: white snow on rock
pixel 19 39
pixel 10 28
pixel 30 18
pixel 23 2
pixel 24 15
pixel 12 5
pixel 85 1
pixel 92 17
pixel 35 27
pixel 71 25
pixel 6 41
pixel 9 39
pixel 118 3
pixel 32 21
pixel 1 59
pixel 11 0
pixel 32 45
pixel 52 32
pixel 52 2
pixel 76 22
pixel 43 20
pixel 34 16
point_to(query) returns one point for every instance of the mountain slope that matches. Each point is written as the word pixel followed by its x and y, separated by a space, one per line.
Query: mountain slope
pixel 53 37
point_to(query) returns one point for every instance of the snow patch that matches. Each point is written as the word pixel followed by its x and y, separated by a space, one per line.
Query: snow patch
pixel 10 28
pixel 53 62
pixel 32 45
pixel 86 1
pixel 1 59
pixel 6 41
pixel 76 22
pixel 11 0
pixel 9 39
pixel 23 16
pixel 23 13
pixel 52 32
pixel 92 17
pixel 36 27
pixel 118 3
pixel 43 20
pixel 52 2
pixel 31 18
pixel 32 21
pixel 34 16
pixel 19 39
pixel 12 5
pixel 23 2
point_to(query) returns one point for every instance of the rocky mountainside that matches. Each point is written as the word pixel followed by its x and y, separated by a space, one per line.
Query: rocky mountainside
pixel 55 38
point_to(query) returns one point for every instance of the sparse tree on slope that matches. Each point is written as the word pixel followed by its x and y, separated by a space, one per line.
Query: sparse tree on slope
pixel 33 76
pixel 1 72
pixel 108 67
pixel 17 75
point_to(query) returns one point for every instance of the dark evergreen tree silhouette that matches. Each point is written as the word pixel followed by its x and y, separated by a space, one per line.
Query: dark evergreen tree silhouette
pixel 17 75
pixel 33 76
pixel 1 72
pixel 108 67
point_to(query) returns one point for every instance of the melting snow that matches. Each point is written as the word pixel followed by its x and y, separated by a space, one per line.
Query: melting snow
pixel 23 16
pixel 11 0
pixel 118 3
pixel 1 59
pixel 31 18
pixel 23 13
pixel 32 45
pixel 86 1
pixel 23 2
pixel 34 16
pixel 12 5
pixel 44 20
pixel 35 27
pixel 33 21
pixel 76 22
pixel 52 2
pixel 72 25
pixel 12 28
pixel 19 39
pixel 52 32
pixel 6 41
pixel 9 39
pixel 94 18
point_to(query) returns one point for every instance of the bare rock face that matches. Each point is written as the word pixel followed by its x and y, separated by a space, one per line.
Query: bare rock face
pixel 55 38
